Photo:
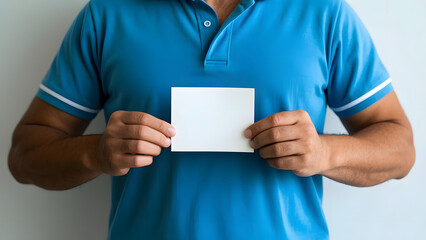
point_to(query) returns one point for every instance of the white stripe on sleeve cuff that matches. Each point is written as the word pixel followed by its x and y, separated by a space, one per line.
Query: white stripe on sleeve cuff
pixel 363 97
pixel 67 101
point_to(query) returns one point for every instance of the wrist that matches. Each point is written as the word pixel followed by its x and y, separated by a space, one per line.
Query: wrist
pixel 328 156
pixel 91 155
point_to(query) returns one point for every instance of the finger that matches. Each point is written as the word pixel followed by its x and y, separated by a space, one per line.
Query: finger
pixel 141 132
pixel 140 147
pixel 135 161
pixel 275 135
pixel 284 163
pixel 275 120
pixel 140 118
pixel 281 149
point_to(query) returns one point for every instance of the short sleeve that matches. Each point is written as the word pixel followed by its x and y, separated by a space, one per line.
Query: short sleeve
pixel 72 83
pixel 357 77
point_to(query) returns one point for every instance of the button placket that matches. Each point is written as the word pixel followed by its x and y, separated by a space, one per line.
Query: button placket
pixel 216 40
pixel 208 24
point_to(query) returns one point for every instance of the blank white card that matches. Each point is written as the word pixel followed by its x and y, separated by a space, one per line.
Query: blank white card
pixel 211 119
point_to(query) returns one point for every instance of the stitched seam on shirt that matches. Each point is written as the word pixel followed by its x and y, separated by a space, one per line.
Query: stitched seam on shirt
pixel 333 31
pixel 228 54
pixel 221 62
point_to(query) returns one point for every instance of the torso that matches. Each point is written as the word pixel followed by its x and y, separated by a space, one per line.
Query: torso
pixel 128 54
pixel 155 45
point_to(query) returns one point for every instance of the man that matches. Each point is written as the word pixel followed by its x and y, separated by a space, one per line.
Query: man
pixel 124 56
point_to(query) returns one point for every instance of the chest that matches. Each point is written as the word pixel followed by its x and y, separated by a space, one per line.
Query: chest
pixel 142 60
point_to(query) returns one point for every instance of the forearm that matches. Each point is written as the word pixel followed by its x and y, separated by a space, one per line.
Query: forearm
pixel 377 153
pixel 51 159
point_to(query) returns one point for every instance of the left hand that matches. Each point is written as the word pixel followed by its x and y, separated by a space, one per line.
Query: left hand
pixel 289 141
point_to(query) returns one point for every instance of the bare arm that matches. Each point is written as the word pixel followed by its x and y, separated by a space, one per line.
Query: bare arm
pixel 49 151
pixel 379 147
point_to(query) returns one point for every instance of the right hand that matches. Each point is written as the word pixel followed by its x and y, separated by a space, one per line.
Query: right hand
pixel 130 140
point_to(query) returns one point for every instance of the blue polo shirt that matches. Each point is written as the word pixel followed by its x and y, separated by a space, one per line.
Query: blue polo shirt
pixel 304 54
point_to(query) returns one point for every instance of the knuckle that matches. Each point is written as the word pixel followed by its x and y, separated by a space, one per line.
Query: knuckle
pixel 115 115
pixel 305 116
pixel 142 131
pixel 302 113
pixel 275 119
pixel 163 125
pixel 277 149
pixel 113 130
pixel 287 148
pixel 276 134
pixel 142 118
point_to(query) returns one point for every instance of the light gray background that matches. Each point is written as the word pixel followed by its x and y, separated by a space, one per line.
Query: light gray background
pixel 30 34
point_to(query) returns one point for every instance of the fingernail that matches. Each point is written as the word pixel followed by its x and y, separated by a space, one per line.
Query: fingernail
pixel 171 131
pixel 168 142
pixel 252 143
pixel 247 133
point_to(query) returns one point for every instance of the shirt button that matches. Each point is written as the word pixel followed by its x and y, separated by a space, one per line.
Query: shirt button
pixel 207 23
